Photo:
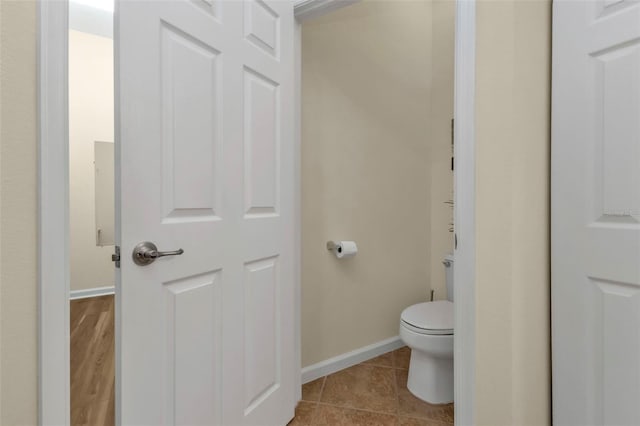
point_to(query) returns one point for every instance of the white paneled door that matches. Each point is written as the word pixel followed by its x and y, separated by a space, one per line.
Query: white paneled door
pixel 205 147
pixel 596 213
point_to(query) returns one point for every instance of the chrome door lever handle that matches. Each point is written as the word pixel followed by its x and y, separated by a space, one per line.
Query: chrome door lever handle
pixel 146 253
pixel 154 254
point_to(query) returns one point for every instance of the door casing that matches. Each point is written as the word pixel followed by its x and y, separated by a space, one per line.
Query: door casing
pixel 53 205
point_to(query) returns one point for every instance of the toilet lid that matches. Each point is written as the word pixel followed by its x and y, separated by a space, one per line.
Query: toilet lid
pixel 436 315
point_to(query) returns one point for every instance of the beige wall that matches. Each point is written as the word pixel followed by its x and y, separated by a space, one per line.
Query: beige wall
pixel 368 162
pixel 512 125
pixel 512 160
pixel 90 119
pixel 18 344
pixel 441 150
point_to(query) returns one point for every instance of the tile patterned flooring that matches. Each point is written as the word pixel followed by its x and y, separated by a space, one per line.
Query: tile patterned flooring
pixel 373 393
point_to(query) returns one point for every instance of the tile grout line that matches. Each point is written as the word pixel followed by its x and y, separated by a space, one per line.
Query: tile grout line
pixel 395 385
pixel 437 422
pixel 342 407
pixel 316 409
pixel 314 413
pixel 324 381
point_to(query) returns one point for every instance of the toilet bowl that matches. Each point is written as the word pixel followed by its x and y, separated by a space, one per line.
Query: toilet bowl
pixel 427 328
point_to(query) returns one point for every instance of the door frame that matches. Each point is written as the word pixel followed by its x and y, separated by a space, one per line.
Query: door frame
pixel 53 214
pixel 464 266
pixel 53 205
pixel 464 184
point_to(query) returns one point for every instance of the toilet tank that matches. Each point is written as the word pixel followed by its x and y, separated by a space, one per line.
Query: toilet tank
pixel 448 273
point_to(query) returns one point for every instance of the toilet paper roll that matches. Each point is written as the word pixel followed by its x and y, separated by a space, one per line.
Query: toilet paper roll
pixel 346 249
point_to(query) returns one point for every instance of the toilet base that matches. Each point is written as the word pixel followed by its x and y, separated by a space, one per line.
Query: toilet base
pixel 431 379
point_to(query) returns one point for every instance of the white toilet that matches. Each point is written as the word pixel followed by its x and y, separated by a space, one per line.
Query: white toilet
pixel 427 328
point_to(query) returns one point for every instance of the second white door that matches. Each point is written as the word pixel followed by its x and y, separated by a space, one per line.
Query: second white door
pixel 205 132
pixel 596 213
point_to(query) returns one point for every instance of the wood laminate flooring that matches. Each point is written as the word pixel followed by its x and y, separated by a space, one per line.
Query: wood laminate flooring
pixel 93 362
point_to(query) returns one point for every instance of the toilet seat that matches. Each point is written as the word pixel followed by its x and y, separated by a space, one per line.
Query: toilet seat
pixel 432 318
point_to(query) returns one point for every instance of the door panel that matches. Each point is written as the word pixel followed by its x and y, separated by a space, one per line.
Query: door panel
pixel 261 331
pixel 191 120
pixel 205 143
pixel 261 105
pixel 262 26
pixel 596 213
pixel 193 314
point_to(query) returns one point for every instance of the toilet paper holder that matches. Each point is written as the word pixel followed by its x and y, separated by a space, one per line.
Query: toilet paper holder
pixel 342 249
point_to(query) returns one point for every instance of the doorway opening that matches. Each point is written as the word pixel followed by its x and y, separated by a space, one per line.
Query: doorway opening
pixel 91 212
pixel 377 84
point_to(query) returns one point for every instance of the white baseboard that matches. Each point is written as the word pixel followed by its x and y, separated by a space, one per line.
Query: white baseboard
pixel 91 292
pixel 349 359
